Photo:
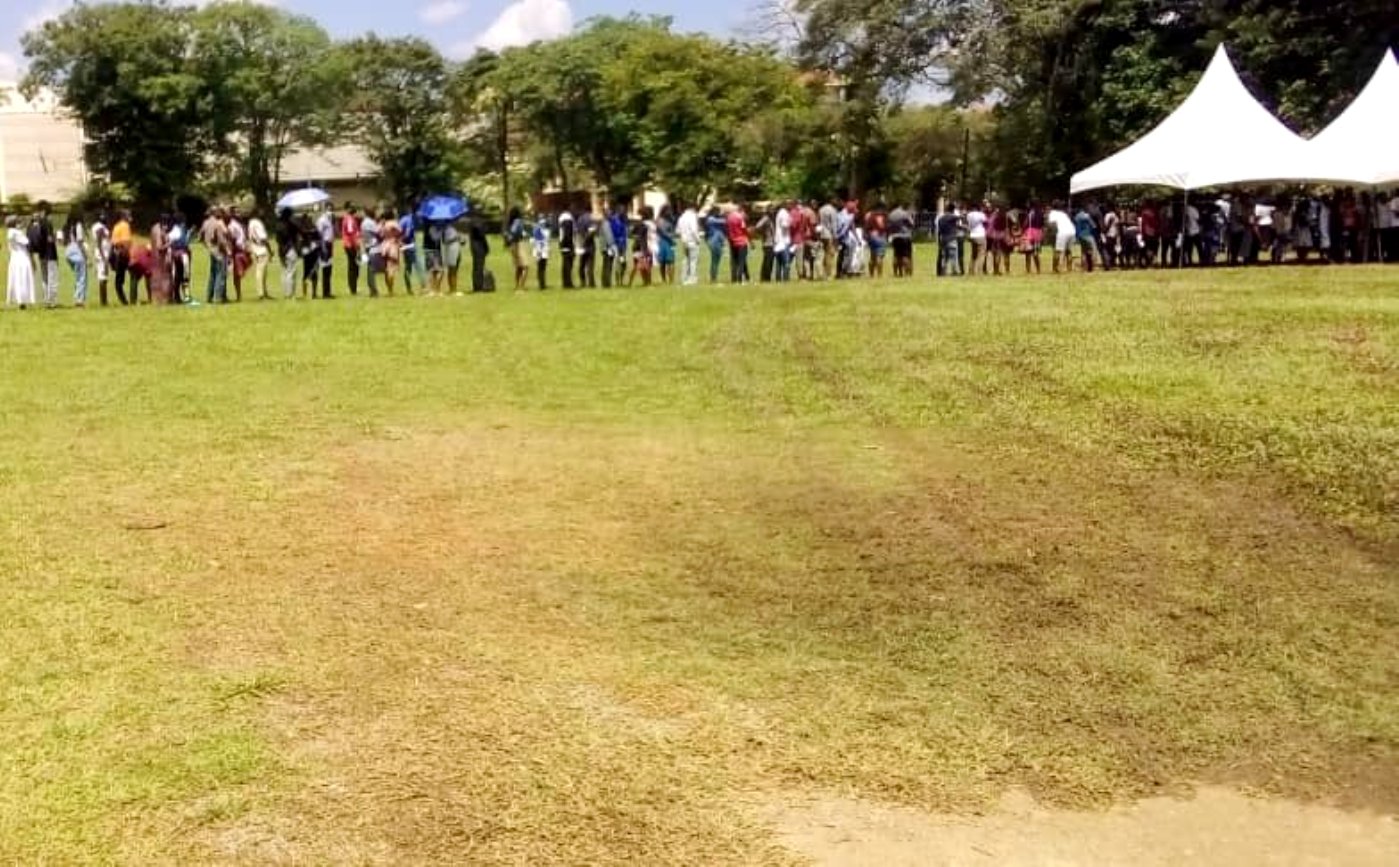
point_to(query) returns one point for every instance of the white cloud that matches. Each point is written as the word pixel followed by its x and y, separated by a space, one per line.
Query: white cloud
pixel 526 21
pixel 441 11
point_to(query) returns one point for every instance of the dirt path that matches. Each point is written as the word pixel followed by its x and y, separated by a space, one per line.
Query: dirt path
pixel 1216 827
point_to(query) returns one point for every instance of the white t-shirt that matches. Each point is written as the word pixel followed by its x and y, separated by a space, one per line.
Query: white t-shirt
pixel 1192 220
pixel 976 225
pixel 782 237
pixel 1063 223
pixel 1264 214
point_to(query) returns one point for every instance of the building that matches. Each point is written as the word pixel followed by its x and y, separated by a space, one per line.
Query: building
pixel 41 156
pixel 41 148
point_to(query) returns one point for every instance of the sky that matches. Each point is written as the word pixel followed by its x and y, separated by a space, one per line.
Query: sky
pixel 457 27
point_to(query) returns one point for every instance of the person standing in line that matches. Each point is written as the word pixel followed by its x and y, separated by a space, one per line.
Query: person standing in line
pixel 310 241
pixel 828 223
pixel 607 240
pixel 1151 234
pixel 214 234
pixel 644 241
pixel 688 229
pixel 480 249
pixel 19 285
pixel 434 258
pixel 539 246
pixel 736 229
pixel 998 242
pixel 948 248
pixel 800 232
pixel 665 245
pixel 325 231
pixel 901 240
pixel 716 236
pixel 75 251
pixel 260 248
pixel 976 233
pixel 1087 232
pixel 568 249
pixel 122 255
pixel 585 229
pixel 877 236
pixel 179 261
pixel 102 255
pixel 350 241
pixel 845 239
pixel 239 261
pixel 516 236
pixel 1033 237
pixel 1063 225
pixel 619 234
pixel 390 249
pixel 46 249
pixel 408 226
pixel 160 277
pixel 1112 236
pixel 371 257
pixel 782 242
pixel 289 249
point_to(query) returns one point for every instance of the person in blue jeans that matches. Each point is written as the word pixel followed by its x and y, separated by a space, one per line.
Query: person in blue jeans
pixel 1086 230
pixel 715 238
pixel 409 224
pixel 949 225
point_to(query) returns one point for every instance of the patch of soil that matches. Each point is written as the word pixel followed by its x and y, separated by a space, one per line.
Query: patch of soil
pixel 1216 827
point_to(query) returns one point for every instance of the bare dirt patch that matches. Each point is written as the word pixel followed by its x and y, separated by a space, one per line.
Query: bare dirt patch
pixel 1216 828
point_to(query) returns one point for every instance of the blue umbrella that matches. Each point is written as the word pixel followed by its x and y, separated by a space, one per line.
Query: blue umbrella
pixel 443 209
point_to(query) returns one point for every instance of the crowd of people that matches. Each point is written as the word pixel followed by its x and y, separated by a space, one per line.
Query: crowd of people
pixel 773 243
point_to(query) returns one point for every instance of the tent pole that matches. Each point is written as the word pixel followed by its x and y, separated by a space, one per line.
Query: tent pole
pixel 1180 239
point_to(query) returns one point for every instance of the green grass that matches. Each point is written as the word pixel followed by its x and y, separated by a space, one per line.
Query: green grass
pixel 574 577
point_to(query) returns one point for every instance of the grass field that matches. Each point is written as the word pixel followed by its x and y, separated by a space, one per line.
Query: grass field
pixel 580 577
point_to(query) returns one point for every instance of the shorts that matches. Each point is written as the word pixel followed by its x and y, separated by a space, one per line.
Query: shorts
pixel 451 255
pixel 903 248
pixel 1064 242
pixel 433 259
pixel 665 255
pixel 877 247
pixel 1032 241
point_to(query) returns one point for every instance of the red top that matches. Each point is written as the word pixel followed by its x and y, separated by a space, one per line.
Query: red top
pixel 349 232
pixel 1150 227
pixel 737 228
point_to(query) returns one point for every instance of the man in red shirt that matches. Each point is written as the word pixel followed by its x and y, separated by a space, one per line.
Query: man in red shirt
pixel 349 238
pixel 736 227
pixel 1151 234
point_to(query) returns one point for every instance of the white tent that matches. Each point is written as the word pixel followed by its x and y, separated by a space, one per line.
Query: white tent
pixel 1219 135
pixel 1361 146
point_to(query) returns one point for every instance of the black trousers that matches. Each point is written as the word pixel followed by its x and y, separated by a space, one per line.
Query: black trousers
pixel 478 271
pixel 352 270
pixel 327 271
pixel 587 267
pixel 543 272
pixel 769 260
pixel 568 257
pixel 121 265
pixel 609 267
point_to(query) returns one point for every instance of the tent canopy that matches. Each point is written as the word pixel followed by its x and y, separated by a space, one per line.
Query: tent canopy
pixel 1219 135
pixel 1359 147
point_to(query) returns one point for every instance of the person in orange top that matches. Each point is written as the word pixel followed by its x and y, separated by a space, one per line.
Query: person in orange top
pixel 121 257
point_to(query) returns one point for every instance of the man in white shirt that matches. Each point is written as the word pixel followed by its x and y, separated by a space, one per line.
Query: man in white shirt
pixel 1064 233
pixel 782 243
pixel 688 228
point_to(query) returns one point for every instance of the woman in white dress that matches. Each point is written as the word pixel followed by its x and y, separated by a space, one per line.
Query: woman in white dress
pixel 19 290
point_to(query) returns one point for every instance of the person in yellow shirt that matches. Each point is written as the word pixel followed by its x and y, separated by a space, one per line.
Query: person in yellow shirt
pixel 121 257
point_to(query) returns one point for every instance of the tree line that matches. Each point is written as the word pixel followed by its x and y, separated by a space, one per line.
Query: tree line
pixel 178 99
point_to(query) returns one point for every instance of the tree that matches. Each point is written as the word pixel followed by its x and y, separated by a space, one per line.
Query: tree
pixel 270 86
pixel 122 70
pixel 399 107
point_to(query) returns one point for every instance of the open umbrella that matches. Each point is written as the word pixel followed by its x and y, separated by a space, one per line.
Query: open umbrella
pixel 303 198
pixel 443 209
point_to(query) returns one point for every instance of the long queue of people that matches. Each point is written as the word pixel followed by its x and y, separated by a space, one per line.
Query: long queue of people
pixel 777 242
pixel 381 245
pixel 1345 226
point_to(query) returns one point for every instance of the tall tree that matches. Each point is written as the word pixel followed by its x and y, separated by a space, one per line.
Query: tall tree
pixel 270 85
pixel 399 107
pixel 123 70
